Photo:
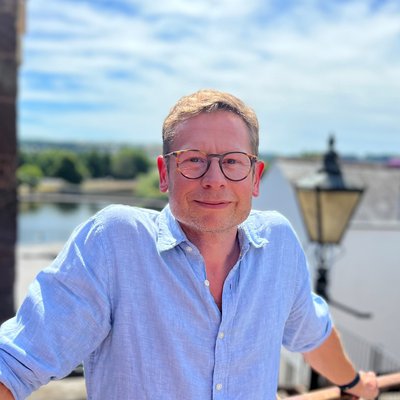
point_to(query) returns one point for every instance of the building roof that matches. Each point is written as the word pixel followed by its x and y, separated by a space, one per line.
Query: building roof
pixel 381 198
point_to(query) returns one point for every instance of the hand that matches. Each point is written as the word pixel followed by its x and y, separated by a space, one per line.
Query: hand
pixel 367 387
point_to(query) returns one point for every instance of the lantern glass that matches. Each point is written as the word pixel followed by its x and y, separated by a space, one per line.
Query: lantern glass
pixel 327 212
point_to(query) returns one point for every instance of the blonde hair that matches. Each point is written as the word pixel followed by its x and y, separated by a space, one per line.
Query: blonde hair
pixel 207 101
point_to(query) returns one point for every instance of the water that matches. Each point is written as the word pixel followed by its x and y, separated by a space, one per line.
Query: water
pixel 52 222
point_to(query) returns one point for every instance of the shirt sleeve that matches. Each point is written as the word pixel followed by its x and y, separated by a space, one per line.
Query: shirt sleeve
pixel 309 323
pixel 65 316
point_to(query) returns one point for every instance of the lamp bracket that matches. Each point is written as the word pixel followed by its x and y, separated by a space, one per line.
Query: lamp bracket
pixel 350 310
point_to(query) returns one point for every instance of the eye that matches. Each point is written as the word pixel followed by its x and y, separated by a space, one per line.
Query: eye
pixel 192 158
pixel 230 161
pixel 195 160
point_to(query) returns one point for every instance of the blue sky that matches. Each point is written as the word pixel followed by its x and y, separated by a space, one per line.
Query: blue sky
pixel 109 71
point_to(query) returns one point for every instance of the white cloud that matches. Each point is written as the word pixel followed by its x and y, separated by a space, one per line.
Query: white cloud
pixel 304 69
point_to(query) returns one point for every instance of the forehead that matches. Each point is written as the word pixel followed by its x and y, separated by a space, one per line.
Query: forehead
pixel 221 130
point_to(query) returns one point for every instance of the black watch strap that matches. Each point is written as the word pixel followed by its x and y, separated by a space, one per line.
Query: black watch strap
pixel 351 384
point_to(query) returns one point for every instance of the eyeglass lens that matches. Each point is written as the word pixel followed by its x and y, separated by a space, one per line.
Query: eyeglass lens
pixel 193 164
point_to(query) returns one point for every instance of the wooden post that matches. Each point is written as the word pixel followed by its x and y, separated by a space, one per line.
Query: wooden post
pixel 8 153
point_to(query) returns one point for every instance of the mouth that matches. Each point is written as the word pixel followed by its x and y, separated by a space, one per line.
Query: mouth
pixel 213 203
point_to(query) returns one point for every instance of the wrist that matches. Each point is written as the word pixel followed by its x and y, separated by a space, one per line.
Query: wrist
pixel 350 384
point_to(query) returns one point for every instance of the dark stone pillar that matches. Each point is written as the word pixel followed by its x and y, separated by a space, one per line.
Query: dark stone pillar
pixel 8 154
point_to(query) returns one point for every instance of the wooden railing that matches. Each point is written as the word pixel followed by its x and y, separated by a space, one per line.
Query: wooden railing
pixel 331 393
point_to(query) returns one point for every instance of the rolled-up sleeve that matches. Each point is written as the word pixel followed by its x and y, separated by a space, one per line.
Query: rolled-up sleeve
pixel 65 316
pixel 309 323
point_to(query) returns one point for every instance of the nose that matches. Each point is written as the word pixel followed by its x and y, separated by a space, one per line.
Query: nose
pixel 214 176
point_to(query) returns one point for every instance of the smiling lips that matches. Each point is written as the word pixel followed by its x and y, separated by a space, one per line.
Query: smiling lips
pixel 213 203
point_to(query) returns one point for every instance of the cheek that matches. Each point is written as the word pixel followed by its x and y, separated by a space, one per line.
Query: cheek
pixel 246 196
pixel 177 188
pixel 248 189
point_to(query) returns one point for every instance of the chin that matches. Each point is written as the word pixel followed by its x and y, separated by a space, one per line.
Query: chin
pixel 215 225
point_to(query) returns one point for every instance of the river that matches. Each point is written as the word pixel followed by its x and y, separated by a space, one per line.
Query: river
pixel 52 222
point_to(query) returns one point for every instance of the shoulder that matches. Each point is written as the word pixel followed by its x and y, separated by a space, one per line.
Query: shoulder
pixel 267 220
pixel 116 219
pixel 117 213
pixel 268 224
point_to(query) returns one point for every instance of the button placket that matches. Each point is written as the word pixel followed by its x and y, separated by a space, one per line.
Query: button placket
pixel 221 366
pixel 223 342
pixel 195 260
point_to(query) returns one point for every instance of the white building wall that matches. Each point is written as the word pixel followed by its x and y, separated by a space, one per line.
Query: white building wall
pixel 365 275
pixel 277 193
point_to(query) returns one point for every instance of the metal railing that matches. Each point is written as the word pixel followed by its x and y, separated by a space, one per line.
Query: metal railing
pixel 385 382
pixel 368 356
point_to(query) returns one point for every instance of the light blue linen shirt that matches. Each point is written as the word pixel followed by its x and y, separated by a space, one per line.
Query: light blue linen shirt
pixel 129 295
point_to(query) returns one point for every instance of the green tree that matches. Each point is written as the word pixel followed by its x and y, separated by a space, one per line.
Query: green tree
pixel 48 161
pixel 127 163
pixel 63 164
pixel 70 168
pixel 25 157
pixel 148 186
pixel 97 163
pixel 29 174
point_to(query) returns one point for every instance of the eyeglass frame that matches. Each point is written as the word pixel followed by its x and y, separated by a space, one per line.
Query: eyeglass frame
pixel 253 159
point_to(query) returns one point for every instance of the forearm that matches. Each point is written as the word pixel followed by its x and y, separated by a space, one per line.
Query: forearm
pixel 5 394
pixel 331 361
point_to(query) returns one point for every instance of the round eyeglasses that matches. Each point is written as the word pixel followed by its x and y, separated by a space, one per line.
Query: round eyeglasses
pixel 193 164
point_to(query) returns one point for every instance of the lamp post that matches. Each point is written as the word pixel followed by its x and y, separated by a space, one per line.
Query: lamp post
pixel 327 204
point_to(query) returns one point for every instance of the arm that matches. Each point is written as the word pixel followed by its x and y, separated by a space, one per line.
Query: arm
pixel 331 361
pixel 64 318
pixel 5 394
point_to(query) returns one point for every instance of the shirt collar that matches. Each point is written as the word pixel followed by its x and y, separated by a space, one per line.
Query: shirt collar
pixel 253 229
pixel 170 233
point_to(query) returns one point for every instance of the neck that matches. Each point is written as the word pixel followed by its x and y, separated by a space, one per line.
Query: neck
pixel 220 250
pixel 212 240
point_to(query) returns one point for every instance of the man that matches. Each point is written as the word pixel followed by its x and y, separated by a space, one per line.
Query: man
pixel 190 303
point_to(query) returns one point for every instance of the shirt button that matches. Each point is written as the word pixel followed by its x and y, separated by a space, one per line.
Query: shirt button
pixel 207 282
pixel 188 249
pixel 221 335
pixel 218 386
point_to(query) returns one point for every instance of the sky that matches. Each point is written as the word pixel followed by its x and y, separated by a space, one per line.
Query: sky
pixel 110 70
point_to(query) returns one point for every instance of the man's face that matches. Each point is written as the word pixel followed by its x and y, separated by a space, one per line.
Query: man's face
pixel 211 203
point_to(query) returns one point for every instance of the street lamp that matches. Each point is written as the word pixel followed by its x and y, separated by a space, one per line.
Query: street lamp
pixel 327 204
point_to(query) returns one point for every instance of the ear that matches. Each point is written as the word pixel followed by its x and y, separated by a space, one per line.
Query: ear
pixel 258 171
pixel 162 173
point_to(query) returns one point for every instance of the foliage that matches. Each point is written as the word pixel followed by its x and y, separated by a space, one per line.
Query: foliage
pixel 59 164
pixel 74 166
pixel 148 185
pixel 29 174
pixel 127 163
pixel 70 168
pixel 47 160
pixel 25 157
pixel 97 163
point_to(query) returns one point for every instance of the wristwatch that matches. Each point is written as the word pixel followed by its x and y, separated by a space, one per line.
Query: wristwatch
pixel 351 384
